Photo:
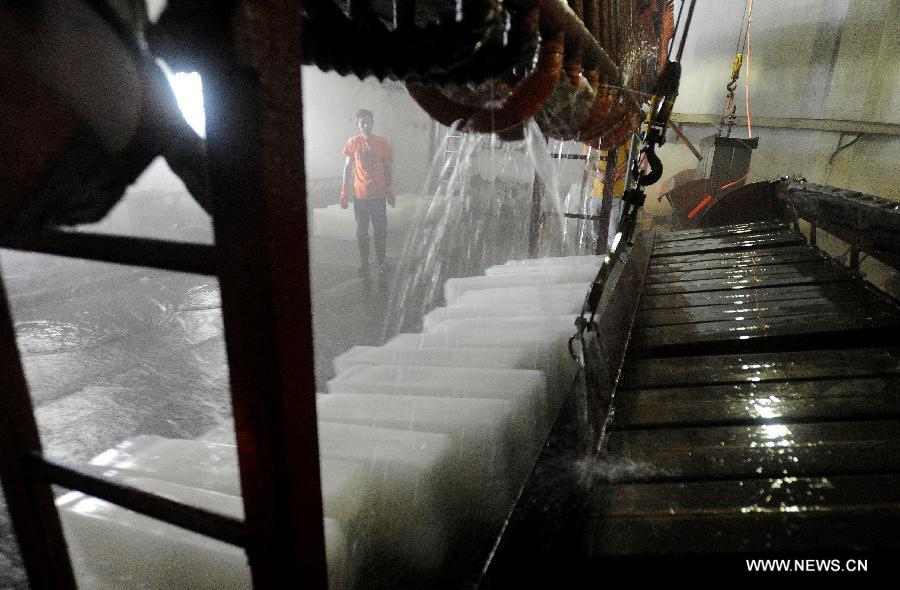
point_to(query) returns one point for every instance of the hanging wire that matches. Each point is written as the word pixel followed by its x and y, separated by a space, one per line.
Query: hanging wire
pixel 729 116
pixel 747 69
pixel 687 26
pixel 742 40
pixel 677 24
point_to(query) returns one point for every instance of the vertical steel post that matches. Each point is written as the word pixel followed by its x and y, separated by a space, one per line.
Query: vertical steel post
pixel 854 255
pixel 29 499
pixel 537 217
pixel 606 204
pixel 255 144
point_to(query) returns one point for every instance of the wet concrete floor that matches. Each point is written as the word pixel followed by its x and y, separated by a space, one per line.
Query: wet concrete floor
pixel 112 352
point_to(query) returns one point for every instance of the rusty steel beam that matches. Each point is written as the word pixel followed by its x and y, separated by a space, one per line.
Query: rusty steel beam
pixel 686 141
pixel 557 16
pixel 29 500
pixel 868 223
pixel 147 252
pixel 252 89
pixel 204 522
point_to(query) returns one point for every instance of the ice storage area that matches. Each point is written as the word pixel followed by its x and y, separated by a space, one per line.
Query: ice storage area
pixel 424 441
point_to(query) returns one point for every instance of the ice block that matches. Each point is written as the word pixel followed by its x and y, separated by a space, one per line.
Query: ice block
pixel 213 467
pixel 551 326
pixel 439 314
pixel 541 353
pixel 412 501
pixel 529 264
pixel 570 293
pixel 488 432
pixel 546 343
pixel 114 548
pixel 485 358
pixel 526 388
pixel 456 287
pixel 391 490
pixel 198 464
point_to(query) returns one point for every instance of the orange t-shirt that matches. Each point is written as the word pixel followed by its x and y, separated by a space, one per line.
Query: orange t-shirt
pixel 369 159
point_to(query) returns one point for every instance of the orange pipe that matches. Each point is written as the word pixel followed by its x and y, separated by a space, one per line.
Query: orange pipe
pixel 523 102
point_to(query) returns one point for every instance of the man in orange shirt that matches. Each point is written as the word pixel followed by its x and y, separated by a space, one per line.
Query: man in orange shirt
pixel 368 171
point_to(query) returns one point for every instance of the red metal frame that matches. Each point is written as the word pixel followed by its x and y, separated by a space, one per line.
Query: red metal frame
pixel 255 143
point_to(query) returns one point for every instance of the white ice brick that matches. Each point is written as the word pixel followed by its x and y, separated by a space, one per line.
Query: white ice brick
pixel 485 358
pixel 213 467
pixel 456 287
pixel 439 314
pixel 535 344
pixel 545 265
pixel 199 464
pixel 547 349
pixel 569 293
pixel 490 432
pixel 223 434
pixel 526 388
pixel 554 330
pixel 112 547
pixel 391 490
pixel 550 326
pixel 555 260
pixel 413 501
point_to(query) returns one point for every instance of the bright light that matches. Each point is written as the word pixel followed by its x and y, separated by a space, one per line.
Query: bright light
pixel 188 91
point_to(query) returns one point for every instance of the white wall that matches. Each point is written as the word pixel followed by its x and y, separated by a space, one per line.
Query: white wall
pixel 809 59
pixel 329 103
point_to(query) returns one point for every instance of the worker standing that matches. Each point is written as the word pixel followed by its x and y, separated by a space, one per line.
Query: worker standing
pixel 367 172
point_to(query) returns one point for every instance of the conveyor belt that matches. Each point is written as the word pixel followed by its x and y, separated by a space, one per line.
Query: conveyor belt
pixel 757 413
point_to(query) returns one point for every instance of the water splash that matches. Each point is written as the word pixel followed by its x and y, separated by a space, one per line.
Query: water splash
pixel 477 212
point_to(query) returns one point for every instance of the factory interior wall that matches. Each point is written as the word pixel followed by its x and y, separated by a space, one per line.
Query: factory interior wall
pixel 816 60
pixel 329 103
pixel 810 59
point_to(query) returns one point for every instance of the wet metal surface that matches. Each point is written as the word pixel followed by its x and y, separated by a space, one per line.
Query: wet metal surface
pixel 831 328
pixel 746 281
pixel 751 296
pixel 735 259
pixel 743 310
pixel 722 231
pixel 729 243
pixel 765 450
pixel 755 517
pixel 759 367
pixel 759 410
pixel 758 272
pixel 766 401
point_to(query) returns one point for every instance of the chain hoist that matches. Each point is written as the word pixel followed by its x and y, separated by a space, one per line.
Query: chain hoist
pixel 643 149
pixel 729 116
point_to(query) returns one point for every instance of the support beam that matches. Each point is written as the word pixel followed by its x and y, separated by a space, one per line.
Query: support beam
pixel 828 125
pixel 252 89
pixel 30 500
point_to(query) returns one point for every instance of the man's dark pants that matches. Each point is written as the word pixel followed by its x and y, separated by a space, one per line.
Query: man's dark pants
pixel 375 210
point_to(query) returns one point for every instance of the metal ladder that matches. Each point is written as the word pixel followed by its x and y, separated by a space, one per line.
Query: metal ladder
pixel 449 165
pixel 262 261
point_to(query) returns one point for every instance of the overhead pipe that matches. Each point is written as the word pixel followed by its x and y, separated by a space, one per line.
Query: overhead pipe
pixel 556 15
pixel 526 98
pixel 560 28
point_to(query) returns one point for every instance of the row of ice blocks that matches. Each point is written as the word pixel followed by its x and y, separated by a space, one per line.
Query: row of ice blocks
pixel 424 442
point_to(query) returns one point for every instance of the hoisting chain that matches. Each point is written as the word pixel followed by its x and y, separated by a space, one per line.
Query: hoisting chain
pixel 642 147
pixel 729 116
